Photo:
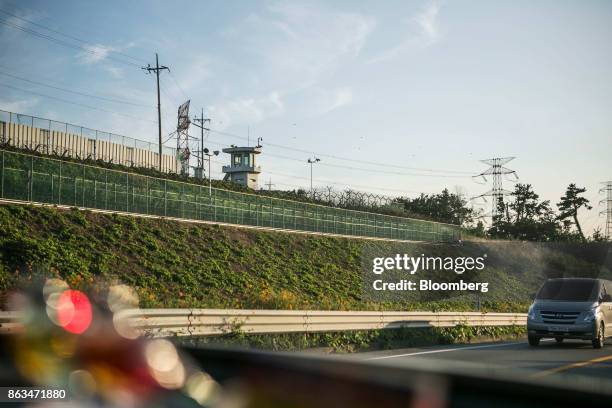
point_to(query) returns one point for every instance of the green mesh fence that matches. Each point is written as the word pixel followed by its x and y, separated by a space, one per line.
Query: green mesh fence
pixel 45 180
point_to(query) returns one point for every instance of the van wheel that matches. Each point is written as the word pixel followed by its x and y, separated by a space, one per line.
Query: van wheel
pixel 533 341
pixel 559 340
pixel 598 341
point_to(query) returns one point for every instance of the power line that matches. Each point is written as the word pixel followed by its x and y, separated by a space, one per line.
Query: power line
pixel 66 35
pixel 170 135
pixel 390 172
pixel 170 96
pixel 61 42
pixel 74 92
pixel 336 183
pixel 327 181
pixel 346 158
pixel 177 85
pixel 362 169
pixel 76 103
pixel 64 43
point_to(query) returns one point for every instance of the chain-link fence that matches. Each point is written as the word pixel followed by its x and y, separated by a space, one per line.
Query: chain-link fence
pixel 45 180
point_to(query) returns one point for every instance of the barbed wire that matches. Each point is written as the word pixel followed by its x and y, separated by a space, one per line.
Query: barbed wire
pixel 350 198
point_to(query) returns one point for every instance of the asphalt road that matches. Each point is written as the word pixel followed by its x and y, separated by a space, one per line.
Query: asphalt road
pixel 572 360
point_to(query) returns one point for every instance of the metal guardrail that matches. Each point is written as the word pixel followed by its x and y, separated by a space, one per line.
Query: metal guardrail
pixel 210 322
pixel 10 322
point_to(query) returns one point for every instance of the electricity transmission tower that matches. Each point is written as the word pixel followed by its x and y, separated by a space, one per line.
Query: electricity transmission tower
pixel 607 190
pixel 157 70
pixel 269 184
pixel 497 170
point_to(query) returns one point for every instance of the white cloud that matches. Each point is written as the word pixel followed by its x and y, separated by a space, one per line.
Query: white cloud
pixel 298 44
pixel 95 53
pixel 99 52
pixel 291 50
pixel 427 21
pixel 10 29
pixel 246 110
pixel 199 69
pixel 426 32
pixel 18 106
pixel 116 72
pixel 342 97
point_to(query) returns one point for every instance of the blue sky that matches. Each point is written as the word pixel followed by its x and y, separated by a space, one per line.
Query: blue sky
pixel 424 84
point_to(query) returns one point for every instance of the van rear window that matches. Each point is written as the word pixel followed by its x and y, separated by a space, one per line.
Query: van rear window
pixel 569 290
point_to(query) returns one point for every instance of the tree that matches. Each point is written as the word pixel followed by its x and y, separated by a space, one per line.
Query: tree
pixel 445 207
pixel 525 217
pixel 526 205
pixel 569 205
pixel 598 236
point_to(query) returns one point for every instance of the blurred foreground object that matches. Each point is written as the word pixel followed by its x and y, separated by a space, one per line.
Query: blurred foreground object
pixel 79 343
pixel 72 342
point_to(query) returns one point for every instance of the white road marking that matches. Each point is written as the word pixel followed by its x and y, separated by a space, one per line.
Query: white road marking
pixel 450 349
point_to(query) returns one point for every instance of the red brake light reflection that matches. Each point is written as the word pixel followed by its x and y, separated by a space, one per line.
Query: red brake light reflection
pixel 74 311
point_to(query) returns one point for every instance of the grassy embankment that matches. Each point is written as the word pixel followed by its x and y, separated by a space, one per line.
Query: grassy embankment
pixel 173 264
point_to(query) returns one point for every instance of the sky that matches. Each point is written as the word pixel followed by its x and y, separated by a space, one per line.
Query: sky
pixel 413 93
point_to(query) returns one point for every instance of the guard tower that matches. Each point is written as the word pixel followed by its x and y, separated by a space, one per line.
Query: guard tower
pixel 242 168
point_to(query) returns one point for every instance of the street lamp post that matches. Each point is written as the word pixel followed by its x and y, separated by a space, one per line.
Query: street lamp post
pixel 207 153
pixel 312 161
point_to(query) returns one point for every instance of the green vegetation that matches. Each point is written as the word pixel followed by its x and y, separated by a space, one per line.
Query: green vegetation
pixel 448 207
pixel 173 264
pixel 569 205
pixel 523 216
pixel 361 340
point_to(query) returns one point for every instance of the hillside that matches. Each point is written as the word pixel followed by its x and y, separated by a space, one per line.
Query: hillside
pixel 174 264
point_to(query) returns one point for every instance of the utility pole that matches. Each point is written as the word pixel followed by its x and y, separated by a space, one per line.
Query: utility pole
pixel 497 192
pixel 201 123
pixel 607 190
pixel 312 161
pixel 157 69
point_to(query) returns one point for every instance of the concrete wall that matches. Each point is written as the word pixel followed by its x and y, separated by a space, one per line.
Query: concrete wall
pixel 72 145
